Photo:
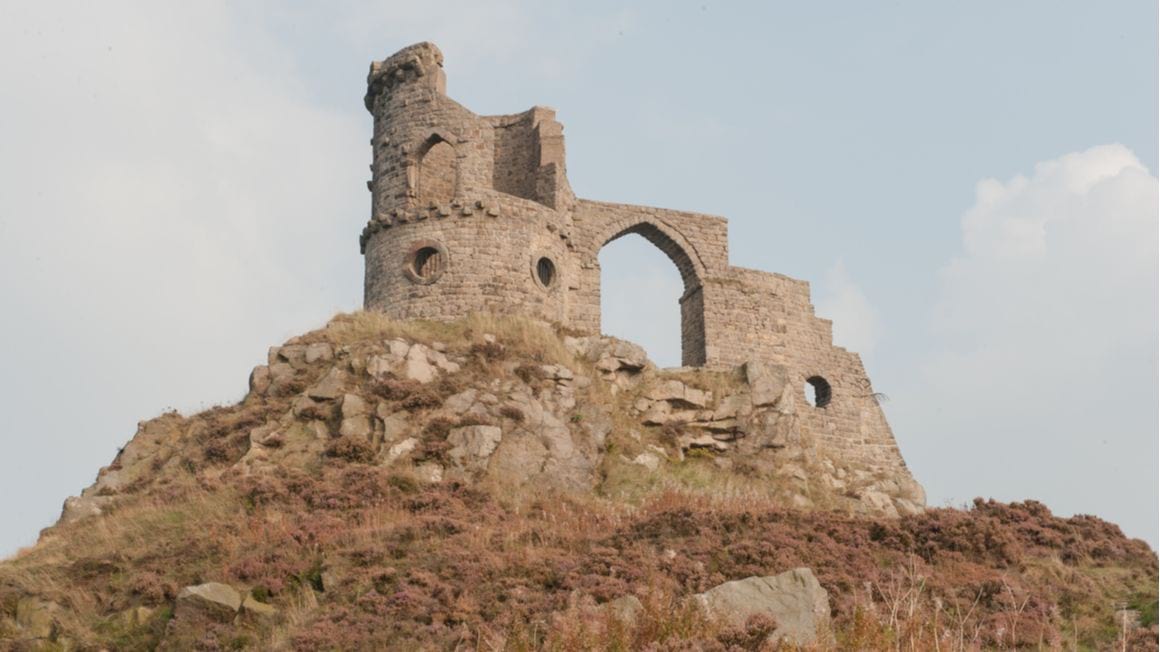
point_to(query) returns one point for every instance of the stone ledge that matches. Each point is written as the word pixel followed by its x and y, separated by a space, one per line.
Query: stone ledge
pixel 456 208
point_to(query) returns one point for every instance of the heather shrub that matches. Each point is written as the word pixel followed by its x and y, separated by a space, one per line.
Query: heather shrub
pixel 351 449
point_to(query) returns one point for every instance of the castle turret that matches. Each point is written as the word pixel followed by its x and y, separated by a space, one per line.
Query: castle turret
pixel 475 204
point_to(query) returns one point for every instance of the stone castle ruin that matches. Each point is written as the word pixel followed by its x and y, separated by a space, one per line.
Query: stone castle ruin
pixel 474 213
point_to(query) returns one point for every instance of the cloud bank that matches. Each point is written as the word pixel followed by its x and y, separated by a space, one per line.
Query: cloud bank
pixel 1042 380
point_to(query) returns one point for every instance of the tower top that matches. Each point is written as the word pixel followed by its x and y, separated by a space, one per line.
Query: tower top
pixel 421 62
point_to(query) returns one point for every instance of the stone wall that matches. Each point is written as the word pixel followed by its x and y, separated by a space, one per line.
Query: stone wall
pixel 475 214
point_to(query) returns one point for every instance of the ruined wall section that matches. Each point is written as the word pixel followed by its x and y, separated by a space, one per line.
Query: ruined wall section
pixel 752 314
pixel 730 315
pixel 529 157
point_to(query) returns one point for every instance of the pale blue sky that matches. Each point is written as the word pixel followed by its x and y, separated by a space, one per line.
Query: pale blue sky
pixel 184 187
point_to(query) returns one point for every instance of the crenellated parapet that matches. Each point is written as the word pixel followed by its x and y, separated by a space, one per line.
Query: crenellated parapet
pixel 419 63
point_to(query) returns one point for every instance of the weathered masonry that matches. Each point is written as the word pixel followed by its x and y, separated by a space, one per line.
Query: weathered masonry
pixel 474 213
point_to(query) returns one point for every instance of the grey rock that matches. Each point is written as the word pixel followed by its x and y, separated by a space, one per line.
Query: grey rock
pixel 379 366
pixel 213 600
pixel 395 424
pixel 879 503
pixel 398 348
pixel 441 361
pixel 329 388
pixel 648 460
pixel 295 354
pixel 302 404
pixel 429 472
pixel 555 372
pixel 472 445
pixel 766 381
pixel 260 379
pixel 359 426
pixel 318 352
pixel 461 402
pixel 416 366
pixel 400 449
pixel 674 391
pixel 353 406
pixel 795 600
pixel 78 507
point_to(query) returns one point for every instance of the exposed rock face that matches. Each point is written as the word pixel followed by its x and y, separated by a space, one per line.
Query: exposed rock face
pixel 795 600
pixel 472 445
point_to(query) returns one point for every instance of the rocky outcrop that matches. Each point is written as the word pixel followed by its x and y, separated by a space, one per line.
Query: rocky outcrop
pixel 483 409
pixel 794 599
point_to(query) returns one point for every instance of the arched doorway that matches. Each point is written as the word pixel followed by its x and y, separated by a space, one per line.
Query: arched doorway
pixel 642 299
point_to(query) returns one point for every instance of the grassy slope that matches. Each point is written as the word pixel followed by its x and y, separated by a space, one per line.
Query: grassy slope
pixel 357 556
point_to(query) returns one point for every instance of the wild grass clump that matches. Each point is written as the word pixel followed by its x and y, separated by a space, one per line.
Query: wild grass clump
pixel 515 335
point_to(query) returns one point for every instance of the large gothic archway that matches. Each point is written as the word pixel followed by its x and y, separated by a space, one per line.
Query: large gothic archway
pixel 680 252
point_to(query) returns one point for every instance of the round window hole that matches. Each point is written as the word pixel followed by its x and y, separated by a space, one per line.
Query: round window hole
pixel 545 271
pixel 818 392
pixel 426 263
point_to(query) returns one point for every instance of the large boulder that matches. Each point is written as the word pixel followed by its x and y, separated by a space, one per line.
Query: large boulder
pixel 472 445
pixel 417 367
pixel 330 387
pixel 675 391
pixel 212 601
pixel 766 382
pixel 794 599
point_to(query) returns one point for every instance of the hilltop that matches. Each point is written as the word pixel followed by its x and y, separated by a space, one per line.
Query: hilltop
pixel 500 483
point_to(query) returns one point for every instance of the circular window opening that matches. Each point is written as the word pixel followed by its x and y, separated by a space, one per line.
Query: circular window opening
pixel 426 262
pixel 545 271
pixel 818 392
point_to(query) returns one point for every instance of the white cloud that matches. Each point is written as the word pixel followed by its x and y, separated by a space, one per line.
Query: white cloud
pixel 840 299
pixel 1043 379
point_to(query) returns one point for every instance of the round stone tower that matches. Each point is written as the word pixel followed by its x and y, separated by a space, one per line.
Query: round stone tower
pixel 469 213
